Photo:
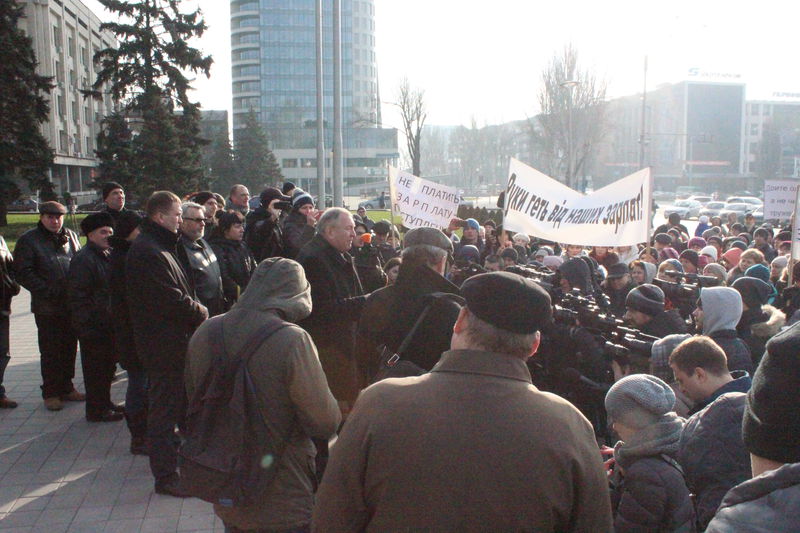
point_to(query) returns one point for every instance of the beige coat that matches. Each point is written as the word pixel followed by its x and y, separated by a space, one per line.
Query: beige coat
pixel 472 446
pixel 288 375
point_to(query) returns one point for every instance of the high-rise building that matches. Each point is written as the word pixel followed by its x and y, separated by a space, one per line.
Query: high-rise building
pixel 66 35
pixel 273 48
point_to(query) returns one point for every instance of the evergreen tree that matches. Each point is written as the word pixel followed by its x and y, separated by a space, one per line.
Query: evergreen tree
pixel 115 152
pixel 24 152
pixel 145 75
pixel 220 163
pixel 255 163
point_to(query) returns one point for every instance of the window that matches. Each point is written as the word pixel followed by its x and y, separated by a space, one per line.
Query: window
pixel 246 38
pixel 250 70
pixel 77 141
pixel 247 54
pixel 71 47
pixel 88 146
pixel 289 163
pixel 308 162
pixel 61 106
pixel 62 140
pixel 57 37
pixel 753 129
pixel 87 117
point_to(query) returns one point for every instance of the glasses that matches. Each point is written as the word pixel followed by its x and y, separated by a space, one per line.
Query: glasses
pixel 198 220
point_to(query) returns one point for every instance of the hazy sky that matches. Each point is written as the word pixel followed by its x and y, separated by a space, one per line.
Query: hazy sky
pixel 484 59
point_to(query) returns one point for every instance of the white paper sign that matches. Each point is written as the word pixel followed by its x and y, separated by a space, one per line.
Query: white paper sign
pixel 779 198
pixel 422 203
pixel 616 215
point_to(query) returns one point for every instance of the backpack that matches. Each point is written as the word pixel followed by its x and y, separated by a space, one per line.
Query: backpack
pixel 228 457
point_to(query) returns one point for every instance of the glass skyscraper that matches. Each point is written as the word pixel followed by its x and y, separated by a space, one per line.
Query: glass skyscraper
pixel 274 74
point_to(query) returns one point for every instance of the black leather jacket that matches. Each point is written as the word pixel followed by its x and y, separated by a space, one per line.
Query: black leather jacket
pixel 263 235
pixel 8 284
pixel 236 264
pixel 41 264
pixel 296 234
pixel 89 296
pixel 205 270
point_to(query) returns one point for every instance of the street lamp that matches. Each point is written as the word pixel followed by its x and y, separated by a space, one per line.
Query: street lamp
pixel 569 85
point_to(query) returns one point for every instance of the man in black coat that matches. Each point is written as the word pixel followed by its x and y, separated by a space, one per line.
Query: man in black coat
pixel 263 232
pixel 164 313
pixel 114 198
pixel 298 226
pixel 202 264
pixel 126 230
pixel 337 298
pixel 89 305
pixel 9 288
pixel 645 309
pixel 41 263
pixel 391 312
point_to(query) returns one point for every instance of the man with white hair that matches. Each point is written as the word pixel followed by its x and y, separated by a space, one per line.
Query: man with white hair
pixel 337 298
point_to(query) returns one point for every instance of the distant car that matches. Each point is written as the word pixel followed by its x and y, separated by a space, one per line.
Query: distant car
pixel 750 200
pixel 701 198
pixel 379 202
pixel 663 195
pixel 685 208
pixel 24 204
pixel 740 208
pixel 712 209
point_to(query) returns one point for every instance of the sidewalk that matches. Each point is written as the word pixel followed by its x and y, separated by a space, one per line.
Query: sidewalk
pixel 58 473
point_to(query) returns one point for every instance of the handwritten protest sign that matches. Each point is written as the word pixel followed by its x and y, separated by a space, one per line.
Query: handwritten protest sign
pixel 422 203
pixel 779 198
pixel 616 215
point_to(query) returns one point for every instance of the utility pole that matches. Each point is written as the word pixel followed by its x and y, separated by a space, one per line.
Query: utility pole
pixel 642 135
pixel 338 168
pixel 569 85
pixel 320 107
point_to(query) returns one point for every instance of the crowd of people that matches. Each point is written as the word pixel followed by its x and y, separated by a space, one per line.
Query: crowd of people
pixel 470 374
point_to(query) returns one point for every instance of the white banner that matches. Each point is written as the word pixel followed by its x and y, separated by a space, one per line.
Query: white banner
pixel 795 234
pixel 779 198
pixel 616 215
pixel 422 203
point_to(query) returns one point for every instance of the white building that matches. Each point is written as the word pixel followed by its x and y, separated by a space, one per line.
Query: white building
pixel 66 35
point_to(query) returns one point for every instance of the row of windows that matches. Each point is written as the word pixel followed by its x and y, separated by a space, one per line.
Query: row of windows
pixel 245 38
pixel 246 86
pixel 246 54
pixel 311 162
pixel 246 22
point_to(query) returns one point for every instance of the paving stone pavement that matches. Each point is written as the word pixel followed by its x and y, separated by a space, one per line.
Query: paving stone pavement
pixel 58 473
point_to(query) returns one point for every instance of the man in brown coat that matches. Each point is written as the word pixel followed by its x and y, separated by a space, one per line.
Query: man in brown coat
pixel 473 445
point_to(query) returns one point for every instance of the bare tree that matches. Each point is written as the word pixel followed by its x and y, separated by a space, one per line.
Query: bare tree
pixel 411 102
pixel 573 114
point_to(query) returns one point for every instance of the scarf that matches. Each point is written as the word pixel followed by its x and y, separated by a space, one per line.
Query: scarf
pixel 653 440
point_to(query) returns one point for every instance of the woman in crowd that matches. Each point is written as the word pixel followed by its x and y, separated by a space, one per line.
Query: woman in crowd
pixel 642 272
pixel 235 259
pixel 392 269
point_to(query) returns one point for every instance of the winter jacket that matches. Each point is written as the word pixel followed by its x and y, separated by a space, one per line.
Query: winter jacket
pixel 89 295
pixel 769 502
pixel 163 308
pixel 470 446
pixel 390 313
pixel 296 234
pixel 757 326
pixel 290 384
pixel 618 297
pixel 337 302
pixel 41 265
pixel 712 453
pixel 124 343
pixel 368 263
pixel 236 265
pixel 668 322
pixel 651 495
pixel 263 235
pixel 722 310
pixel 8 285
pixel 203 267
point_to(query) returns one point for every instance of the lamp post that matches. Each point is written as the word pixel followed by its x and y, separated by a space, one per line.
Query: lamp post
pixel 569 85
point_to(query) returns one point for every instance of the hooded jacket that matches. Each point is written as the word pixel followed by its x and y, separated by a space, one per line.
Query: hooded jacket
pixel 576 272
pixel 291 386
pixel 650 271
pixel 722 310
pixel 757 326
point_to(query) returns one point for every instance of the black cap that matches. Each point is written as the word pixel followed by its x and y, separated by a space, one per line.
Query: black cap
pixel 382 227
pixel 287 186
pixel 647 299
pixel 96 220
pixel 663 238
pixel 111 186
pixel 508 301
pixel 272 193
pixel 617 270
pixel 52 208
pixel 430 236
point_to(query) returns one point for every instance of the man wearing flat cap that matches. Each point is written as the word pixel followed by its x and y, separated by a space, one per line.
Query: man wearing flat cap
pixel 472 445
pixel 90 309
pixel 41 263
pixel 390 313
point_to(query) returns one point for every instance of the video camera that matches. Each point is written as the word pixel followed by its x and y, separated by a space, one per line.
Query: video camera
pixel 684 294
pixel 543 276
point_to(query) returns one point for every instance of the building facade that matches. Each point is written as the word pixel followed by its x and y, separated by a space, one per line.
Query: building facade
pixel 66 35
pixel 273 51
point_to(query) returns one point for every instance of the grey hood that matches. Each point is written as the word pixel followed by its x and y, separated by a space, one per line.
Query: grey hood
pixel 277 284
pixel 649 271
pixel 722 308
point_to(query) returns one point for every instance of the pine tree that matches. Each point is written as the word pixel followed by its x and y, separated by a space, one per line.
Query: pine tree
pixel 220 163
pixel 255 163
pixel 145 75
pixel 115 152
pixel 24 152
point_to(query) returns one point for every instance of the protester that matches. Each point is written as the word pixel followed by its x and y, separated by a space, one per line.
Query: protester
pixel 711 450
pixel 10 288
pixel 392 270
pixel 239 199
pixel 759 322
pixel 770 429
pixel 718 311
pixel 263 233
pixel 617 285
pixel 298 226
pixel 642 272
pixel 287 376
pixel 41 263
pixel 89 303
pixel 114 198
pixel 648 489
pixel 164 313
pixel 126 229
pixel 747 259
pixel 201 263
pixel 702 225
pixel 235 259
pixel 716 270
pixel 211 205
pixel 367 259
pixel 368 222
pixel 382 229
pixel 413 454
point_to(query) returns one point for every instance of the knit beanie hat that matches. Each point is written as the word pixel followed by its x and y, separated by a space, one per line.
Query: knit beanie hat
pixel 759 271
pixel 639 400
pixel 508 253
pixel 473 224
pixel 780 262
pixel 663 238
pixel 710 251
pixel 755 292
pixel 126 222
pixel 471 253
pixel 300 200
pixel 668 253
pixel 771 427
pixel 690 255
pixel 646 298
pixel 552 261
pixel 738 244
pixel 703 219
pixel 696 241
pixel 732 256
pixel 716 270
pixel 111 186
pixel 676 265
